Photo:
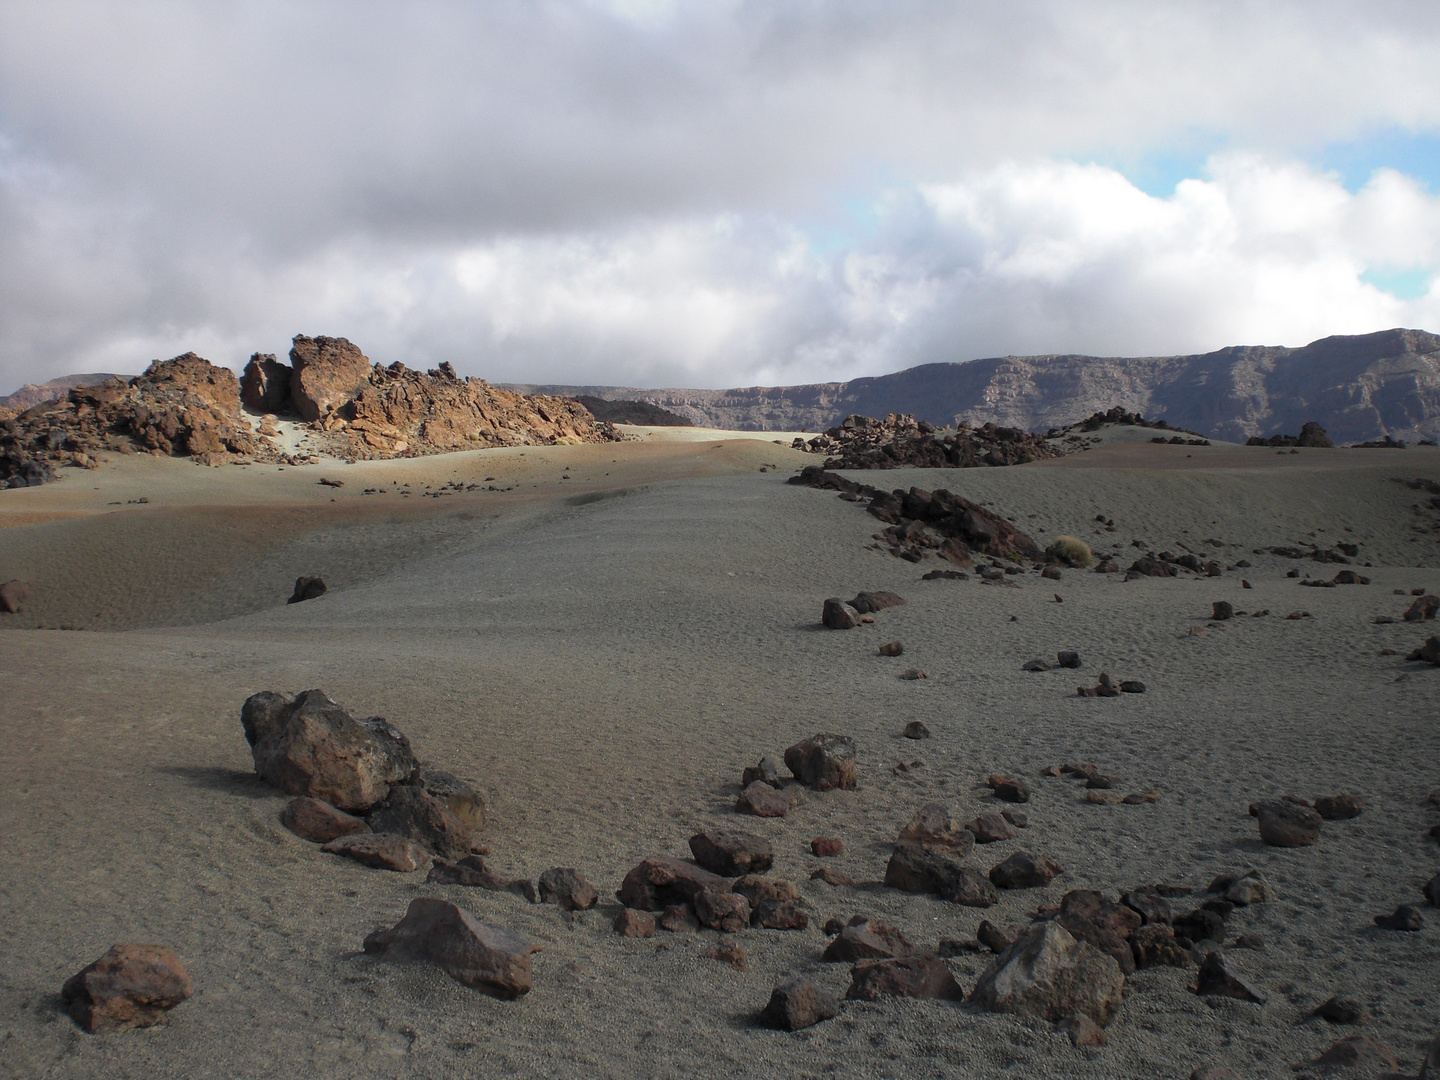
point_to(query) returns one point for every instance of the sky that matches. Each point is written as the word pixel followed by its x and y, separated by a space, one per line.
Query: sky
pixel 709 194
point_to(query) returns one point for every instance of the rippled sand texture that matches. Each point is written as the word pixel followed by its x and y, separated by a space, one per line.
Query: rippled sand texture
pixel 604 654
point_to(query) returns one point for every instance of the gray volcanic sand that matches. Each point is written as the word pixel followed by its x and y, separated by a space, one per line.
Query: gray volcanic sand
pixel 605 663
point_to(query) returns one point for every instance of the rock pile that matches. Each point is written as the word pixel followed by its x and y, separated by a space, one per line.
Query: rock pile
pixel 862 442
pixel 1311 434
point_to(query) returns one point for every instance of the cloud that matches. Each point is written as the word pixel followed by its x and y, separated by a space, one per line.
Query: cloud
pixel 650 192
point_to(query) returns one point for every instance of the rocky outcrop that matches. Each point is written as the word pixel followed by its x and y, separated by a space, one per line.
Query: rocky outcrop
pixel 326 374
pixel 130 986
pixel 900 441
pixel 265 384
pixel 481 955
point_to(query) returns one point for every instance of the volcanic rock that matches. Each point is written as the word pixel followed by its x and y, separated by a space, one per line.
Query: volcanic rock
pixel 657 883
pixel 1403 918
pixel 311 819
pixel 779 915
pixel 481 955
pixel 1155 944
pixel 732 853
pixel 678 919
pixel 934 824
pixel 472 873
pixel 307 588
pixel 1340 1010
pixel 838 615
pixel 762 800
pixel 265 384
pixel 993 937
pixel 328 373
pixel 13 595
pixel 130 986
pixel 1200 925
pixel 1359 1055
pixel 310 745
pixel 766 772
pixel 1422 609
pixel 1339 807
pixel 567 889
pixel 384 851
pixel 823 762
pixel 632 923
pixel 759 890
pixel 1048 974
pixel 721 909
pixel 867 603
pixel 916 729
pixel 918 868
pixel 826 847
pixel 991 828
pixel 903 976
pixel 798 1004
pixel 1025 871
pixel 410 810
pixel 1219 977
pixel 1089 916
pixel 1009 789
pixel 830 876
pixel 1286 824
pixel 866 940
pixel 891 648
pixel 461 797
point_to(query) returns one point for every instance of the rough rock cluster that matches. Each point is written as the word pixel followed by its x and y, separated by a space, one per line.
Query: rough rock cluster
pixel 862 442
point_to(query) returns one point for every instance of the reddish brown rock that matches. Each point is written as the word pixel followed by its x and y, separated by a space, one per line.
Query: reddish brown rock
pixel 1091 917
pixel 732 853
pixel 729 952
pixel 991 828
pixel 567 889
pixel 779 915
pixel 632 923
pixel 310 745
pixel 130 986
pixel 835 614
pixel 312 819
pixel 798 1004
pixel 830 876
pixel 823 762
pixel 867 603
pixel 1358 1055
pixel 1422 609
pixel 891 648
pixel 934 824
pixel 1008 789
pixel 461 797
pixel 384 851
pixel 328 373
pixel 13 595
pixel 678 919
pixel 410 810
pixel 1025 871
pixel 1154 945
pixel 758 889
pixel 862 939
pixel 993 937
pixel 826 847
pixel 481 955
pixel 762 800
pixel 903 976
pixel 471 872
pixel 658 883
pixel 1339 807
pixel 725 911
pixel 1287 824
pixel 1083 1031
pixel 917 868
pixel 265 384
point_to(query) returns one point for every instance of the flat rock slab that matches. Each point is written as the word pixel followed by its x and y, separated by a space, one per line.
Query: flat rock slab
pixel 317 821
pixel 384 851
pixel 130 986
pixel 481 955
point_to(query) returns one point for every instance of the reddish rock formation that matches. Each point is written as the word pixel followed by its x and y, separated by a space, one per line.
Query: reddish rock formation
pixel 130 986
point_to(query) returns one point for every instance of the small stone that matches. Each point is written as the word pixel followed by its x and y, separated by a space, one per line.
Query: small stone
pixel 838 615
pixel 1102 783
pixel 823 762
pixel 1340 1010
pixel 1018 818
pixel 1132 686
pixel 732 853
pixel 798 1004
pixel 384 851
pixel 1051 573
pixel 916 729
pixel 924 977
pixel 765 772
pixel 991 828
pixel 1138 798
pixel 1339 807
pixel 1083 1031
pixel 1067 659
pixel 762 800
pixel 130 986
pixel 318 821
pixel 657 883
pixel 779 915
pixel 481 955
pixel 1104 798
pixel 1431 889
pixel 1250 889
pixel 632 923
pixel 307 588
pixel 958 947
pixel 1403 918
pixel 678 919
pixel 729 952
pixel 725 911
pixel 1009 789
pixel 891 648
pixel 1219 978
pixel 1359 1055
pixel 826 847
pixel 1200 925
pixel 911 674
pixel 1025 871
pixel 1253 942
pixel 1155 945
pixel 1149 903
pixel 1035 665
pixel 831 876
pixel 1285 824
pixel 757 889
pixel 565 888
pixel 1221 610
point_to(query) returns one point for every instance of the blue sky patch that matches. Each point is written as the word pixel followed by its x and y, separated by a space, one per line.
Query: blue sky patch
pixel 1401 284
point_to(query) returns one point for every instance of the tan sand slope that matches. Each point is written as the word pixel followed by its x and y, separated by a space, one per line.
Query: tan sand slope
pixel 605 660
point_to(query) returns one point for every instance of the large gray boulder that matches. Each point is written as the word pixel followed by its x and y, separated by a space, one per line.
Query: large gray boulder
pixel 1048 974
pixel 310 745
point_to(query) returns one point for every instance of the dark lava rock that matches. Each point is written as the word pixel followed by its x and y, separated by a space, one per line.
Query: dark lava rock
pixel 1067 659
pixel 826 847
pixel 1200 925
pixel 1359 1055
pixel 1340 1010
pixel 481 955
pixel 678 919
pixel 932 868
pixel 1286 824
pixel 410 810
pixel 1218 977
pixel 1403 918
pixel 732 853
pixel 472 873
pixel 838 615
pixel 904 976
pixel 130 986
pixel 867 603
pixel 892 648
pixel 384 851
pixel 1155 945
pixel 991 828
pixel 1025 871
pixel 916 729
pixel 1089 916
pixel 994 938
pixel 565 887
pixel 765 773
pixel 1035 665
pixel 1009 789
pixel 658 883
pixel 798 1004
pixel 307 588
pixel 1339 807
pixel 779 915
pixel 862 939
pixel 1132 686
pixel 823 762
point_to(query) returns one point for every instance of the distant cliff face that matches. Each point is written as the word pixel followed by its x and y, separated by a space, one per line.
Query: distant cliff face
pixel 1358 388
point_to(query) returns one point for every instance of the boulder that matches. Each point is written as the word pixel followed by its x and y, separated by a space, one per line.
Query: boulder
pixel 903 976
pixel 307 588
pixel 1221 610
pixel 460 796
pixel 328 373
pixel 410 810
pixel 779 915
pixel 1287 824
pixel 721 909
pixel 1218 977
pixel 1149 903
pixel 1429 652
pixel 867 603
pixel 1422 609
pixel 765 772
pixel 916 729
pixel 1009 789
pixel 934 824
pixel 798 1004
pixel 732 853
pixel 1025 871
pixel 311 819
pixel 632 923
pixel 310 745
pixel 865 940
pixel 567 889
pixel 991 828
pixel 1359 1055
pixel 130 986
pixel 823 762
pixel 384 851
pixel 1091 917
pixel 918 868
pixel 1252 888
pixel 838 615
pixel 13 595
pixel 760 890
pixel 481 955
pixel 762 800
pixel 1048 974
pixel 1339 807
pixel 265 384
pixel 658 883
pixel 1154 945
pixel 826 847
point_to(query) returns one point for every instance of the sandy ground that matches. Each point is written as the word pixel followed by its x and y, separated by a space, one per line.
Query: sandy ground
pixel 603 654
